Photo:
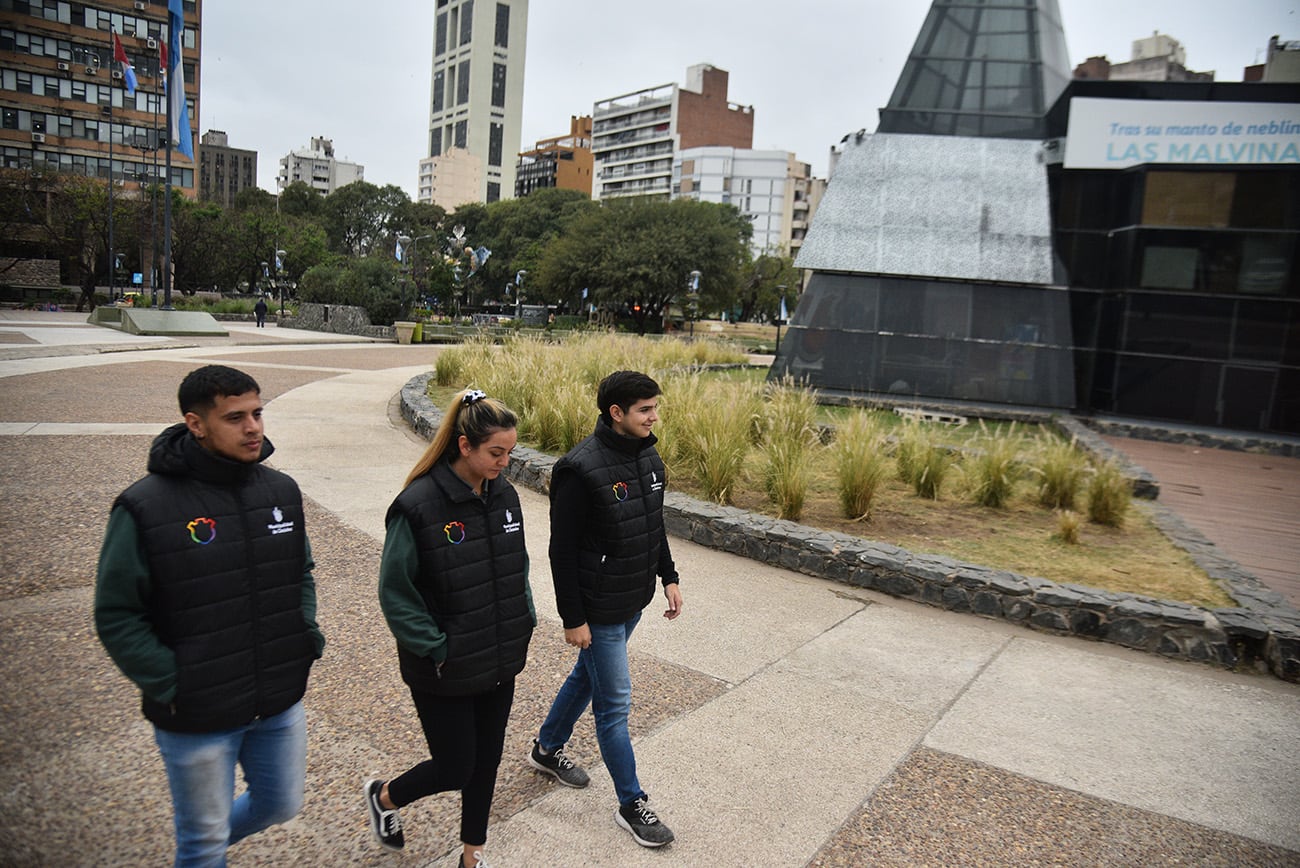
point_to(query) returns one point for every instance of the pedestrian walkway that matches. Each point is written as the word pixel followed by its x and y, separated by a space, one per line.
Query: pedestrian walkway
pixel 782 720
pixel 1247 504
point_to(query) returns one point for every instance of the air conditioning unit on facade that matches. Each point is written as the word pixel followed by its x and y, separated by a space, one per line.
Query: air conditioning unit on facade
pixel 63 67
pixel 117 73
pixel 38 138
pixel 151 43
pixel 140 4
pixel 90 70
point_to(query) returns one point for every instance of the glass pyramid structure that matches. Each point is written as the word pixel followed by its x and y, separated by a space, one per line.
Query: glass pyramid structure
pixel 981 68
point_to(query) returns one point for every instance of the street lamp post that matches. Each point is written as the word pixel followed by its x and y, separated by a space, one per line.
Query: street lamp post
pixel 403 242
pixel 780 316
pixel 415 249
pixel 519 295
pixel 279 264
pixel 693 298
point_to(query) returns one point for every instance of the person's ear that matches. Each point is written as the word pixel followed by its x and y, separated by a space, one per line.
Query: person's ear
pixel 462 442
pixel 194 422
pixel 616 412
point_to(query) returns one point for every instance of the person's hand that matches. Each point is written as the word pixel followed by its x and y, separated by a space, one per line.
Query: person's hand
pixel 673 593
pixel 579 636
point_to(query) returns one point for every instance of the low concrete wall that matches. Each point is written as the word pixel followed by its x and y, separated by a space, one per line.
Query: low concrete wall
pixel 1262 632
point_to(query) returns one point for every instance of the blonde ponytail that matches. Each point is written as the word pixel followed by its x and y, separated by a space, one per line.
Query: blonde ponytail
pixel 472 415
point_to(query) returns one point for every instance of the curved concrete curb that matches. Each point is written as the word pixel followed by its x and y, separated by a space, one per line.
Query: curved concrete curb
pixel 1263 632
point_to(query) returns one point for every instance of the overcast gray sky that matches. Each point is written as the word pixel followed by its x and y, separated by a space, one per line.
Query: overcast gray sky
pixel 277 73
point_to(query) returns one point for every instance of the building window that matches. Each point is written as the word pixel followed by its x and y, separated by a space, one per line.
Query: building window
pixel 440 35
pixel 462 83
pixel 503 26
pixel 466 22
pixel 439 95
pixel 496 134
pixel 462 134
pixel 435 143
pixel 499 85
pixel 493 191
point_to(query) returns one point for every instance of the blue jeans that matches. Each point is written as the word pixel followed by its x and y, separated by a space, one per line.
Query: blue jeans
pixel 600 678
pixel 271 751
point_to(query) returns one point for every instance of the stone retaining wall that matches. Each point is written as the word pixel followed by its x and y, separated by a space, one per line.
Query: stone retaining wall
pixel 336 319
pixel 31 273
pixel 1262 632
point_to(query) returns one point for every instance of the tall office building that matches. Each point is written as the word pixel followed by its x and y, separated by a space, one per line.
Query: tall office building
pixel 476 98
pixel 636 135
pixel 223 170
pixel 63 99
pixel 317 166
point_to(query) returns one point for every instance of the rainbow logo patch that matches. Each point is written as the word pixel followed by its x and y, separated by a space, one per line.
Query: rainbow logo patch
pixel 202 530
pixel 620 491
pixel 455 531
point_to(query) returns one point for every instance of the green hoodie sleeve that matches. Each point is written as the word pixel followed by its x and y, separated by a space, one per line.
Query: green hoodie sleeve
pixel 409 619
pixel 122 591
pixel 309 599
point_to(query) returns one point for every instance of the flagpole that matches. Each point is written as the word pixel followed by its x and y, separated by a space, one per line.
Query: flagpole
pixel 112 281
pixel 172 48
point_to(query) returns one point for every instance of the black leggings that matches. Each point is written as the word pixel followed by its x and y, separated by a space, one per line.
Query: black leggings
pixel 465 736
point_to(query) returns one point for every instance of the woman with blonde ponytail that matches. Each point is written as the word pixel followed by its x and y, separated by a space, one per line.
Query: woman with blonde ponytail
pixel 453 586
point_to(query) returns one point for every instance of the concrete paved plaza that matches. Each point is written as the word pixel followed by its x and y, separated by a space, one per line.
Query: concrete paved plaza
pixel 782 720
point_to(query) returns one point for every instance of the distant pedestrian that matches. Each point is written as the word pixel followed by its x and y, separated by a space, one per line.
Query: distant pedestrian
pixel 205 599
pixel 453 585
pixel 260 310
pixel 607 545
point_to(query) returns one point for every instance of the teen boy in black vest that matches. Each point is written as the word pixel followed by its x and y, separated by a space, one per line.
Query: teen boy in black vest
pixel 205 599
pixel 607 545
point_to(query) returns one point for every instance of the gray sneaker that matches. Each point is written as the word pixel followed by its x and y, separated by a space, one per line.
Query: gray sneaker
pixel 643 824
pixel 559 766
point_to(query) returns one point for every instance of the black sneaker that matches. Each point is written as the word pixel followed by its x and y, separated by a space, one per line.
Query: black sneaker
pixel 644 824
pixel 386 825
pixel 559 766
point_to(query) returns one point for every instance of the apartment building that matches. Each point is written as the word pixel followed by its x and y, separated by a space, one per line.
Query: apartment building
pixel 64 104
pixel 317 166
pixel 223 170
pixel 635 136
pixel 563 161
pixel 1158 57
pixel 773 189
pixel 476 97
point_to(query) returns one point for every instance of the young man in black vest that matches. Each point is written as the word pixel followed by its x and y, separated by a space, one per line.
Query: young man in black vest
pixel 608 543
pixel 205 599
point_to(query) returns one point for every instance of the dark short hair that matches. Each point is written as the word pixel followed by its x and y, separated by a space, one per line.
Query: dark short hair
pixel 202 386
pixel 624 388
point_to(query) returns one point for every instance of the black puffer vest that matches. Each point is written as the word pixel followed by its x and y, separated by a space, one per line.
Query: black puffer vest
pixel 619 557
pixel 226 550
pixel 473 578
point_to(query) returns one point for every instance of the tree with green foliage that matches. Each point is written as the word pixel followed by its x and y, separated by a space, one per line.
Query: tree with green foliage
pixel 300 199
pixel 369 282
pixel 360 218
pixel 759 295
pixel 518 232
pixel 636 257
pixel 201 246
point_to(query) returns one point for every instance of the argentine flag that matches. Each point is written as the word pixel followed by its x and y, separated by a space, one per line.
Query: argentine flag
pixel 178 112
